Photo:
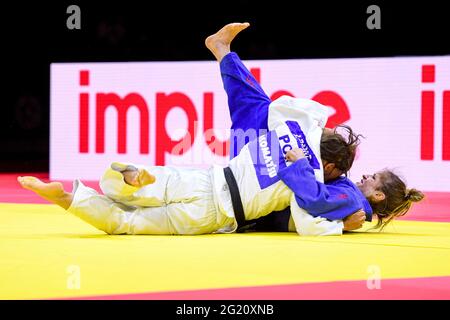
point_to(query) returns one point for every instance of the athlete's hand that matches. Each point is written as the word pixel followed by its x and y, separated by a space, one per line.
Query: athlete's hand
pixel 138 178
pixel 295 154
pixel 354 221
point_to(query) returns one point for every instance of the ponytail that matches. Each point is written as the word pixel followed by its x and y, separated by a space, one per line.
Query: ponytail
pixel 398 199
pixel 414 195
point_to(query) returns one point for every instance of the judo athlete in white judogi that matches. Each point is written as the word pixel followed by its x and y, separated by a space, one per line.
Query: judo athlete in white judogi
pixel 199 201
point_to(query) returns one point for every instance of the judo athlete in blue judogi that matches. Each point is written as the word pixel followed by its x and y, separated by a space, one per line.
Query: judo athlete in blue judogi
pixel 383 193
pixel 249 112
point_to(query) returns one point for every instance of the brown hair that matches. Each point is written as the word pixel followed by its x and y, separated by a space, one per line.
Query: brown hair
pixel 398 199
pixel 336 149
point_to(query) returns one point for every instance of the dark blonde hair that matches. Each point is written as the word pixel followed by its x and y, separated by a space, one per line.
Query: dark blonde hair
pixel 341 151
pixel 398 199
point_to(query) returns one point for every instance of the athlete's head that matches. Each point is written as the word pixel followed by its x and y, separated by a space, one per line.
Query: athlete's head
pixel 388 195
pixel 338 152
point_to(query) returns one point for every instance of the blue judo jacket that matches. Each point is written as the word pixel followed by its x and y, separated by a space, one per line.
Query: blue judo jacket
pixel 334 200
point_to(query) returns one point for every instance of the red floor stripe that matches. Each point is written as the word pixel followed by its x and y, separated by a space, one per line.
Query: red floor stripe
pixel 435 288
pixel 435 207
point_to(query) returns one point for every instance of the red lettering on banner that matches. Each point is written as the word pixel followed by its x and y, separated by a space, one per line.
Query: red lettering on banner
pixel 84 123
pixel 446 126
pixel 335 101
pixel 105 100
pixel 164 103
pixel 84 77
pixel 427 115
pixel 84 114
pixel 428 73
pixel 428 118
pixel 427 126
pixel 221 148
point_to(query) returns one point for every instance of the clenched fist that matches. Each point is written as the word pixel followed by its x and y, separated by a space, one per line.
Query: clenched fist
pixel 354 221
pixel 294 154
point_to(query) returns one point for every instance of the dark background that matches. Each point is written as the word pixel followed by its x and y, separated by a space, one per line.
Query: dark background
pixel 34 34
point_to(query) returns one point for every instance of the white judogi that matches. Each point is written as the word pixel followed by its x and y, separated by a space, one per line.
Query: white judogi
pixel 181 201
pixel 197 201
pixel 294 123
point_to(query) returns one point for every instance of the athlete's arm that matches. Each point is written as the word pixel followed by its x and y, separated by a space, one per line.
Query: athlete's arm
pixel 319 199
pixel 307 225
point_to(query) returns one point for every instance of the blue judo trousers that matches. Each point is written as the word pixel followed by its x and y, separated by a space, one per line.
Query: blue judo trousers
pixel 249 110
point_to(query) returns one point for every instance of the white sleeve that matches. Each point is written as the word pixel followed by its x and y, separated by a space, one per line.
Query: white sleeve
pixel 307 225
pixel 301 110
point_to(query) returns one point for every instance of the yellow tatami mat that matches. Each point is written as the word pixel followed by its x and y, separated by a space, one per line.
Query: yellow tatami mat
pixel 47 253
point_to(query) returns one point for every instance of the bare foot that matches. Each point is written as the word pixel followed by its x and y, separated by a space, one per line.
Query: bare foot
pixel 219 43
pixel 49 190
pixel 138 178
pixel 52 191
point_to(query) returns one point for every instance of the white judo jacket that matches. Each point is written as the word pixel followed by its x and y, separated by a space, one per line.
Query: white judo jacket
pixel 292 123
pixel 197 201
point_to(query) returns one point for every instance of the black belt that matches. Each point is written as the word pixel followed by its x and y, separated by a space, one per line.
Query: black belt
pixel 235 198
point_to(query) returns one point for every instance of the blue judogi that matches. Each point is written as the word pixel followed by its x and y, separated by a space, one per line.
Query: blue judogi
pixel 249 108
pixel 247 101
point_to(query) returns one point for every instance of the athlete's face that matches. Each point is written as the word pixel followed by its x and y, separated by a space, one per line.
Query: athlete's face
pixel 370 186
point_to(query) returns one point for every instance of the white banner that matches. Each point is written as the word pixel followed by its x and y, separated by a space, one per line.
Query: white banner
pixel 137 111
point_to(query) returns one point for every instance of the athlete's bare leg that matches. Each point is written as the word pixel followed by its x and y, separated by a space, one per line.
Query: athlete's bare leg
pixel 52 191
pixel 219 43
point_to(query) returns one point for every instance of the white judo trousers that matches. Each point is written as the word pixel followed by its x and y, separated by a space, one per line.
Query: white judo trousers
pixel 181 201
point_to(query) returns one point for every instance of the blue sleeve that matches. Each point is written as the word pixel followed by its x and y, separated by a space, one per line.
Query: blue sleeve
pixel 329 201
